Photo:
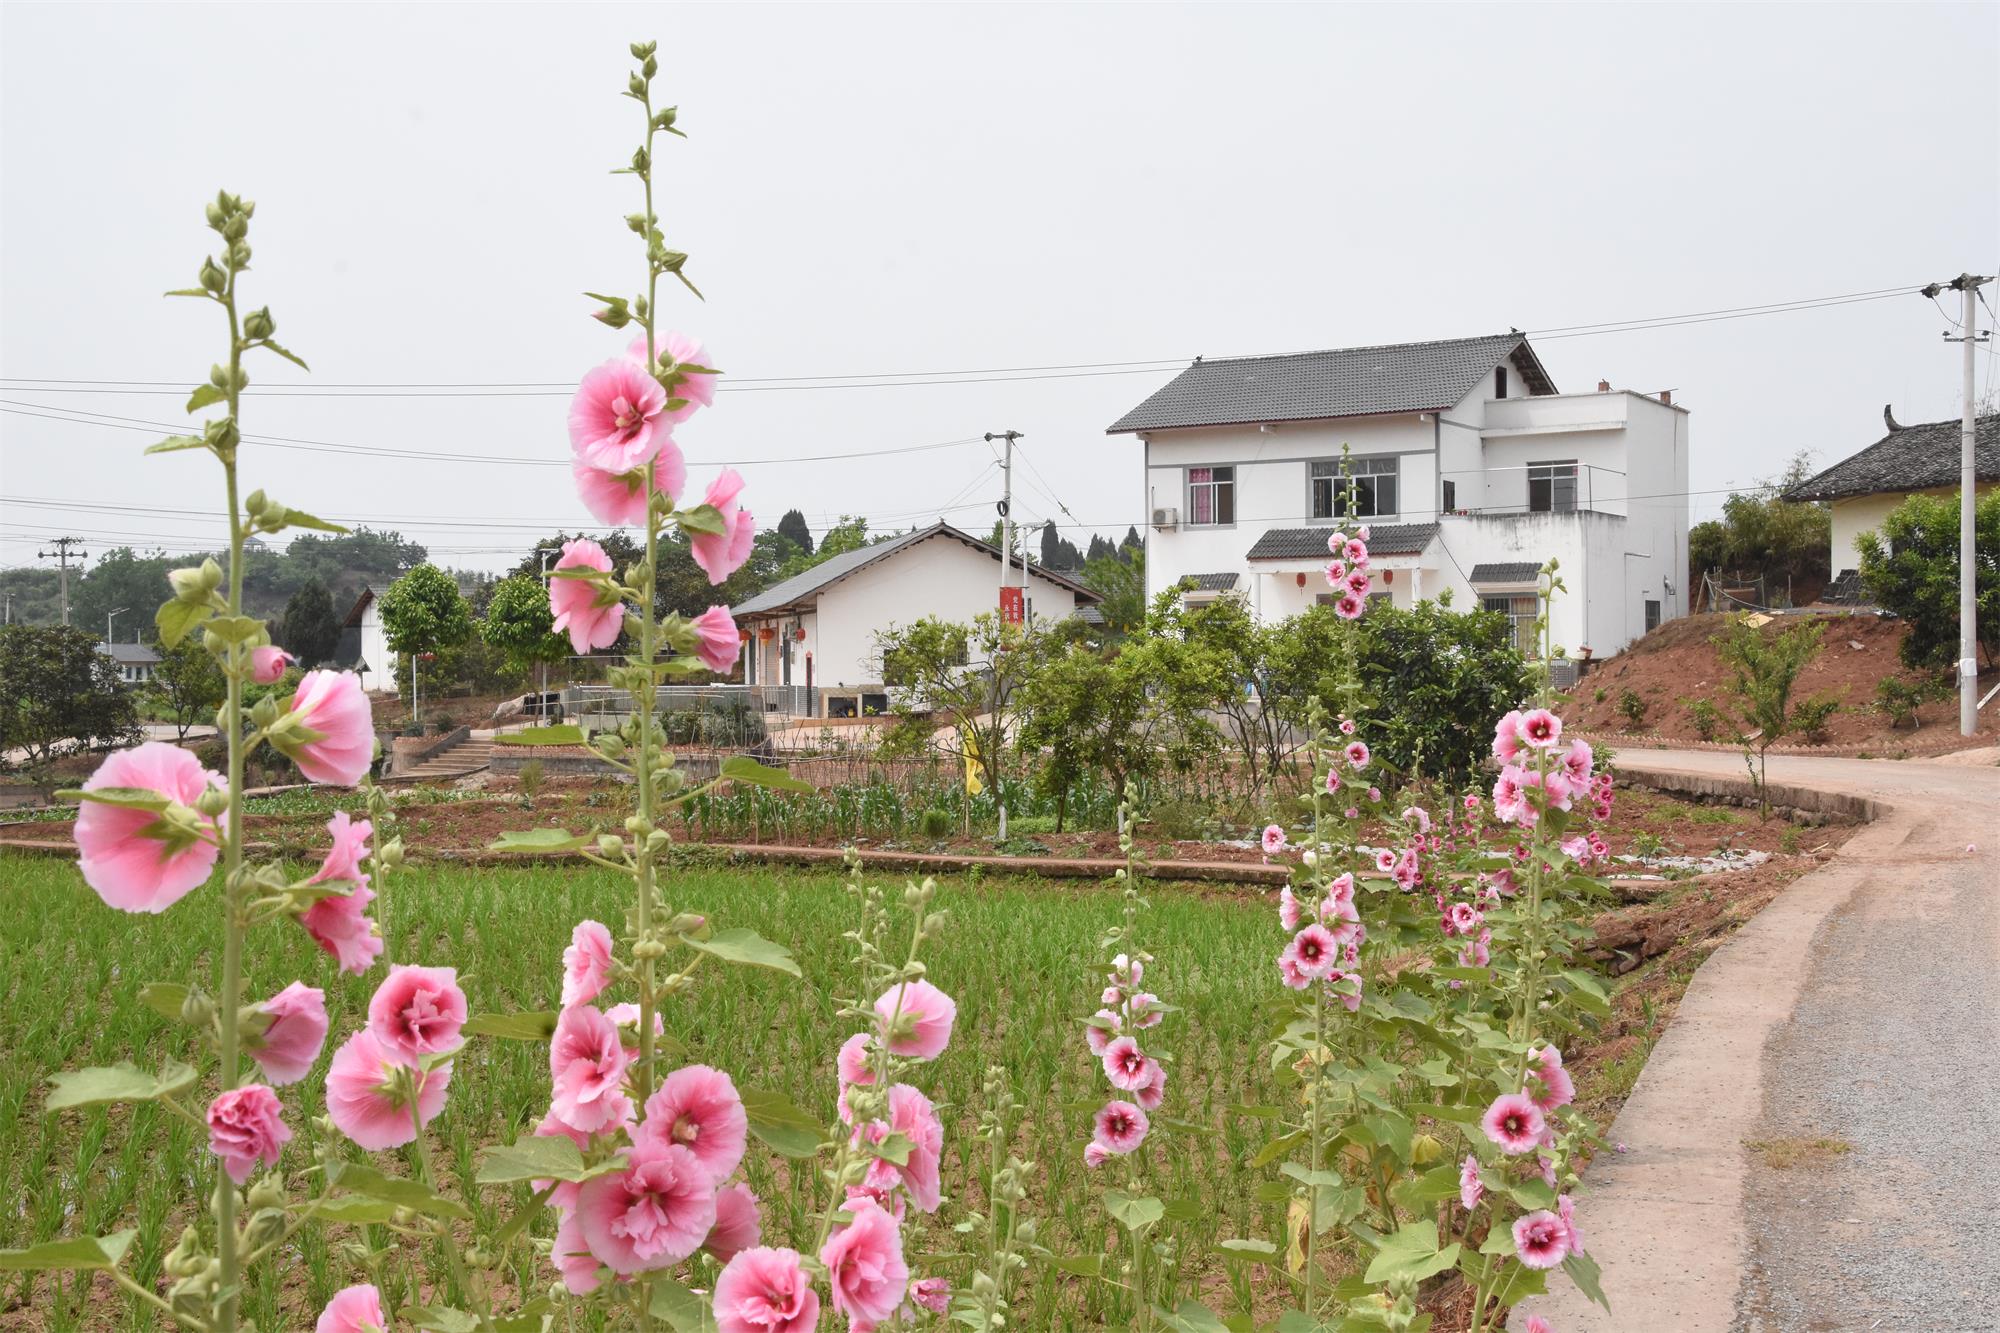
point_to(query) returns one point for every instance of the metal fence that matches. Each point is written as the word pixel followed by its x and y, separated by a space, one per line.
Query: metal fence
pixel 601 707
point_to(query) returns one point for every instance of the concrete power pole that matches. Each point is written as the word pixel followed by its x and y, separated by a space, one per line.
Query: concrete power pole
pixel 62 555
pixel 1006 555
pixel 1969 337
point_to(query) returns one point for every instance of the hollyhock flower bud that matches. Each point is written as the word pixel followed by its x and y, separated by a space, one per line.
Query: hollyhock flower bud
pixel 931 1293
pixel 864 1265
pixel 1470 1189
pixel 268 664
pixel 614 420
pixel 697 1108
pixel 331 704
pixel 1537 1324
pixel 653 1214
pixel 737 1226
pixel 1540 1239
pixel 356 1309
pixel 286 1049
pixel 417 1011
pixel 592 616
pixel 722 554
pixel 586 963
pixel 718 644
pixel 1514 1122
pixel 765 1290
pixel 137 860
pixel 367 1094
pixel 1566 1210
pixel 246 1127
pixel 916 1019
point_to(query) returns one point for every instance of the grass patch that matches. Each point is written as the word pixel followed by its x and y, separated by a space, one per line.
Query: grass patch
pixel 1785 1154
pixel 1018 956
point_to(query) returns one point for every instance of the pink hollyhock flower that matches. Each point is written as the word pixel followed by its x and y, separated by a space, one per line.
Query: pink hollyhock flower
pixel 1349 999
pixel 417 1011
pixel 1357 754
pixel 1472 801
pixel 931 1293
pixel 1477 953
pixel 852 1062
pixel 268 664
pixel 765 1290
pixel 1316 950
pixel 1356 551
pixel 614 420
pixel 1288 909
pixel 1375 794
pixel 1385 860
pixel 1347 726
pixel 1274 839
pixel 1288 968
pixel 1514 1122
pixel 1336 543
pixel 1352 813
pixel 586 963
pixel 1349 607
pixel 332 704
pixel 1507 737
pixel 1332 782
pixel 1553 1086
pixel 912 1115
pixel 356 1309
pixel 1129 970
pixel 363 1100
pixel 1362 532
pixel 1536 1324
pixel 1336 573
pixel 1464 918
pixel 1408 870
pixel 591 618
pixel 695 391
pixel 1566 1210
pixel 697 1108
pixel 721 554
pixel 619 498
pixel 864 1265
pixel 1540 728
pixel 341 926
pixel 1419 816
pixel 1510 797
pixel 1146 1011
pixel 572 1257
pixel 1557 790
pixel 1540 1239
pixel 1578 762
pixel 1155 1091
pixel 134 859
pixel 1098 1038
pixel 246 1127
pixel 1358 582
pixel 719 642
pixel 1341 892
pixel 286 1050
pixel 652 1215
pixel 1095 1154
pixel 344 856
pixel 916 1019
pixel 1128 1067
pixel 1470 1189
pixel 587 1064
pixel 1120 1127
pixel 737 1227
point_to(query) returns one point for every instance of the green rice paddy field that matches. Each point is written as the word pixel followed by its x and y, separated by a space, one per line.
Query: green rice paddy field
pixel 1019 957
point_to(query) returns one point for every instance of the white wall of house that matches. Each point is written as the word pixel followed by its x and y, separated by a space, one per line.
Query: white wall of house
pixel 375 654
pixel 1864 513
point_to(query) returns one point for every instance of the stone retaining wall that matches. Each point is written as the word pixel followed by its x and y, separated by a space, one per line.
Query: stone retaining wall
pixel 1800 804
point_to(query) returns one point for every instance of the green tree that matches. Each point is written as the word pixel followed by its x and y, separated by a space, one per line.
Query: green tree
pixel 1762 534
pixel 792 527
pixel 424 612
pixel 59 693
pixel 518 623
pixel 967 677
pixel 1224 658
pixel 187 684
pixel 120 580
pixel 1122 585
pixel 1911 568
pixel 311 630
pixel 1763 669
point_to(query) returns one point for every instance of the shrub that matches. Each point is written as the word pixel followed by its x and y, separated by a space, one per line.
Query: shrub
pixel 1764 668
pixel 1707 718
pixel 1810 716
pixel 1633 709
pixel 1900 699
pixel 530 779
pixel 935 824
pixel 1911 568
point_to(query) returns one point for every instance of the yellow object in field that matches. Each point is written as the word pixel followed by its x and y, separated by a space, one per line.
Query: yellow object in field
pixel 973 786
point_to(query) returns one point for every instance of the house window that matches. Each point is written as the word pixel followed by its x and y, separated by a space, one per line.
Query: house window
pixel 1552 488
pixel 1520 610
pixel 1451 497
pixel 1211 498
pixel 1500 381
pixel 1373 481
pixel 1652 615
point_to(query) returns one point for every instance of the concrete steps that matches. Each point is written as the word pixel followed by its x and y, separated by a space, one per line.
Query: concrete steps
pixel 468 756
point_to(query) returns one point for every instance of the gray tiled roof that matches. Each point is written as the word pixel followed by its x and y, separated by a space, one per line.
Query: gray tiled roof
pixel 1506 571
pixel 129 654
pixel 1343 382
pixel 1308 543
pixel 1090 615
pixel 1913 458
pixel 1209 582
pixel 804 587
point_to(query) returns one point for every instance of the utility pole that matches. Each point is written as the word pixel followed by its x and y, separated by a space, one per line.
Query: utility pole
pixel 1969 337
pixel 61 555
pixel 542 699
pixel 1006 556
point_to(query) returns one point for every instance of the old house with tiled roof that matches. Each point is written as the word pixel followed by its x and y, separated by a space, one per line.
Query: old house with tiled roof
pixel 1467 463
pixel 1910 460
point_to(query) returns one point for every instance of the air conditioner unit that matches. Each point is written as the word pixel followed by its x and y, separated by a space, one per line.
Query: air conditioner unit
pixel 1166 518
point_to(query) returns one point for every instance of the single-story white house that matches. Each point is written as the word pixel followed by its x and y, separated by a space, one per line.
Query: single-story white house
pixel 816 631
pixel 363 646
pixel 1910 460
pixel 134 661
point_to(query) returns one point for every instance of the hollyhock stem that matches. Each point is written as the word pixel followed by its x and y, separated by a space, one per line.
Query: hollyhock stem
pixel 428 1174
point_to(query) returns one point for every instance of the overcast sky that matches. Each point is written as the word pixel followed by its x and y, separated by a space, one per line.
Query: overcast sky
pixel 883 190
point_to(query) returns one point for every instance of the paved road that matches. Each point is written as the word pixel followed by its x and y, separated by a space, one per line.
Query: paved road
pixel 1862 1006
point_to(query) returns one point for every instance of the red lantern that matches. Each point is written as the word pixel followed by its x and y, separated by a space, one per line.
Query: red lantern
pixel 1302 580
pixel 765 634
pixel 799 634
pixel 743 636
pixel 1388 576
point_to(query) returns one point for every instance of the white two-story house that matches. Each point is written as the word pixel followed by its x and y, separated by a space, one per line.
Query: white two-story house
pixel 1468 465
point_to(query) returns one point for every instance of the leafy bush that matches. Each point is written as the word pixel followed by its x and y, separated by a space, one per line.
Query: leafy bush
pixel 1633 709
pixel 530 778
pixel 935 824
pixel 1707 718
pixel 1911 568
pixel 1810 717
pixel 1900 699
pixel 1764 669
